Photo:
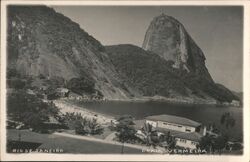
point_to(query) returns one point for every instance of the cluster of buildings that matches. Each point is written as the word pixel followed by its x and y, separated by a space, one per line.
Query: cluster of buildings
pixel 187 133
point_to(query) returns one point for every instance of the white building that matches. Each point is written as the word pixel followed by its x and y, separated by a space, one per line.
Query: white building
pixel 185 130
pixel 172 122
pixel 188 140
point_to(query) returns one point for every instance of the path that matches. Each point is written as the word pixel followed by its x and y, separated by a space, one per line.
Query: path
pixel 69 144
pixel 140 147
pixel 110 137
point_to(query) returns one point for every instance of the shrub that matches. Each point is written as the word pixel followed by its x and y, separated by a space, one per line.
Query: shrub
pixel 125 129
pixel 82 125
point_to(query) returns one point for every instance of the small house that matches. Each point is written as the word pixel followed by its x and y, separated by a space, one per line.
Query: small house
pixel 188 140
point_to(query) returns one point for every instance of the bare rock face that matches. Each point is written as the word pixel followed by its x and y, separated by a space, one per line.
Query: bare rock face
pixel 42 42
pixel 168 38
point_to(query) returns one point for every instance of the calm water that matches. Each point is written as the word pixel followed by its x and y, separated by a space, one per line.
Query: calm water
pixel 202 113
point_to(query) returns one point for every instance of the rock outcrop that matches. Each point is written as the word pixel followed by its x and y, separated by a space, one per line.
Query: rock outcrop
pixel 168 38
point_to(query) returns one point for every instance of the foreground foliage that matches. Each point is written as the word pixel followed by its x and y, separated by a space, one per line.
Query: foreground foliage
pixel 82 125
pixel 125 129
pixel 29 109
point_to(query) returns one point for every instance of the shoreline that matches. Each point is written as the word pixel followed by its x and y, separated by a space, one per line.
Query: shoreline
pixel 76 106
pixel 161 99
pixel 67 107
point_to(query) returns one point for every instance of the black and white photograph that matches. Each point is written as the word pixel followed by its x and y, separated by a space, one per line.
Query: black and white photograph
pixel 151 79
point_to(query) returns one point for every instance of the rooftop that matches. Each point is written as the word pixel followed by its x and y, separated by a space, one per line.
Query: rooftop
pixel 170 131
pixel 174 119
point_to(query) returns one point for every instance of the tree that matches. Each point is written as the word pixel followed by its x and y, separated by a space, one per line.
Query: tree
pixel 34 120
pixel 171 142
pixel 148 130
pixel 206 143
pixel 227 120
pixel 125 129
pixel 29 109
pixel 212 144
pixel 82 125
pixel 95 127
pixel 220 143
pixel 81 85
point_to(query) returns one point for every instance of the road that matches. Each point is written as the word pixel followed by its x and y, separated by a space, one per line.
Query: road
pixel 68 144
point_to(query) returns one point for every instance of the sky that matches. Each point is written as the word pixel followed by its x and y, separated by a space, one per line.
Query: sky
pixel 217 30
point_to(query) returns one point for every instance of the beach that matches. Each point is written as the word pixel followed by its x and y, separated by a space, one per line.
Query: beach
pixel 66 107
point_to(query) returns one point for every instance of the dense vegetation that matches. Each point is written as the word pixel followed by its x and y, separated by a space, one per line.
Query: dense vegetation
pixel 125 129
pixel 81 85
pixel 29 110
pixel 147 72
pixel 44 44
pixel 82 125
pixel 152 75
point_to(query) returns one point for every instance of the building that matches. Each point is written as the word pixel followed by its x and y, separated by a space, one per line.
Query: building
pixel 188 140
pixel 175 123
pixel 186 132
pixel 62 92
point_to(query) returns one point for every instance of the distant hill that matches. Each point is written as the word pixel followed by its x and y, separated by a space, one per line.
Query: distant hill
pixel 239 95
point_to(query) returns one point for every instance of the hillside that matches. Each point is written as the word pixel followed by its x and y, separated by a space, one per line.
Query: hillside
pixel 168 38
pixel 144 71
pixel 151 75
pixel 45 48
pixel 47 44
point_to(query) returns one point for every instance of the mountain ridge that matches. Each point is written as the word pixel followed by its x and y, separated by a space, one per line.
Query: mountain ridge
pixel 154 76
pixel 45 44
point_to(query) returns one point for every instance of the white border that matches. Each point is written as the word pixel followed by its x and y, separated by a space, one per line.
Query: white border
pixel 79 157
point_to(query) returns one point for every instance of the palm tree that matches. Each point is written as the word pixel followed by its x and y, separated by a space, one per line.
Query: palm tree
pixel 207 143
pixel 147 130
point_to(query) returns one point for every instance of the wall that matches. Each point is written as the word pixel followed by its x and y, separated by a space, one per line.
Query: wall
pixel 176 127
pixel 153 123
pixel 186 143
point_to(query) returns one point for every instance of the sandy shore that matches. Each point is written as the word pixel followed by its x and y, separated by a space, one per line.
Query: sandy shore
pixel 65 107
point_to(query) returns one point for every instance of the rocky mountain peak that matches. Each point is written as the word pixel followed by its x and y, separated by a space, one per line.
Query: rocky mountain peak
pixel 168 38
pixel 46 47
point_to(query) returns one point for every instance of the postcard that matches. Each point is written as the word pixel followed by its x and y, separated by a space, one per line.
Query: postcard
pixel 125 80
